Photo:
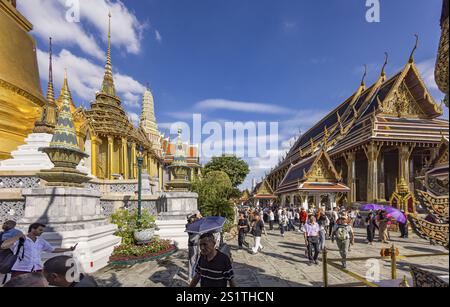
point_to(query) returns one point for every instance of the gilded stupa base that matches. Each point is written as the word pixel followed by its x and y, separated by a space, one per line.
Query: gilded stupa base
pixel 64 177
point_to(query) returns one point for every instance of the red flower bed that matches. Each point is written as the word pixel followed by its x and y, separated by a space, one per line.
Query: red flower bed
pixel 154 249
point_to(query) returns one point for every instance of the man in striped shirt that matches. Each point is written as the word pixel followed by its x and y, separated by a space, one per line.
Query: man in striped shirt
pixel 214 269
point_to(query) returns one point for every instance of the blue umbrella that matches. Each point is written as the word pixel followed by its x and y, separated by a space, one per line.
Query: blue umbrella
pixel 206 224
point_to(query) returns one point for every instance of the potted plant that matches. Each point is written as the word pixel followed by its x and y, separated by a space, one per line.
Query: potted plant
pixel 145 228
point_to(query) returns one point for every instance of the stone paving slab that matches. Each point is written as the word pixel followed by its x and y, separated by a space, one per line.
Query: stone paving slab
pixel 282 263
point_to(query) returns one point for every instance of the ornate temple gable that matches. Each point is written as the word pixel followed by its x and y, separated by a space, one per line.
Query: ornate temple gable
pixel 322 170
pixel 409 97
pixel 245 196
pixel 264 189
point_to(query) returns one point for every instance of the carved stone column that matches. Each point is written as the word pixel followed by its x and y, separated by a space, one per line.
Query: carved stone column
pixel 125 169
pixel 404 155
pixel 372 152
pixel 109 167
pixel 350 158
pixel 94 152
pixel 133 161
pixel 381 176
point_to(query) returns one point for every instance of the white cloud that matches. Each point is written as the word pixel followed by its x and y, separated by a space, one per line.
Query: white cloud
pixel 158 36
pixel 49 20
pixel 85 77
pixel 134 118
pixel 253 107
pixel 426 69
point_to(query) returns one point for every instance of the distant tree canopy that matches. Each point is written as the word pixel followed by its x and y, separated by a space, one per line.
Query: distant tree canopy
pixel 236 168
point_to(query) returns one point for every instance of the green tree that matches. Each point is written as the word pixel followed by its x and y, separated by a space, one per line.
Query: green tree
pixel 214 191
pixel 236 168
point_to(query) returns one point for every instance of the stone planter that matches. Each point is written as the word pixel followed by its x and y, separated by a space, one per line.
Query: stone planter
pixel 144 236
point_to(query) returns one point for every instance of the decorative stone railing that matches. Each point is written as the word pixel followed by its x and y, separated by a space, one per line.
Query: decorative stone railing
pixel 19 182
pixel 11 210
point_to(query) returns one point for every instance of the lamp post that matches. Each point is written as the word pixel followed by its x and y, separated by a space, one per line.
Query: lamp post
pixel 140 159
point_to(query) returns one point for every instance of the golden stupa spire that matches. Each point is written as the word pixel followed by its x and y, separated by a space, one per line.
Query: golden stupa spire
pixel 47 121
pixel 411 57
pixel 108 81
pixel 386 61
pixel 50 91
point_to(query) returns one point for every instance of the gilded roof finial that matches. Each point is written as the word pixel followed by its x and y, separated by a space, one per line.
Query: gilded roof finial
pixel 411 57
pixel 50 91
pixel 383 70
pixel 363 81
pixel 108 81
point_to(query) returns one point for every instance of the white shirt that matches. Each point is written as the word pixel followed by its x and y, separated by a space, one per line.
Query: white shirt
pixel 271 216
pixel 32 260
pixel 289 214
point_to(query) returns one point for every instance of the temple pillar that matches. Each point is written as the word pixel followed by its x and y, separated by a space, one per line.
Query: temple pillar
pixel 305 204
pixel 283 200
pixel 350 159
pixel 125 169
pixel 94 152
pixel 109 167
pixel 381 176
pixel 133 161
pixel 372 152
pixel 404 155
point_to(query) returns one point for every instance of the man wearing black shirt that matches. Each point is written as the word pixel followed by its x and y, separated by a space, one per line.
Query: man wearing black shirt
pixel 214 269
pixel 242 228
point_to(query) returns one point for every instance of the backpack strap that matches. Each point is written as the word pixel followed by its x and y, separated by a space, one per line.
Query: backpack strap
pixel 21 245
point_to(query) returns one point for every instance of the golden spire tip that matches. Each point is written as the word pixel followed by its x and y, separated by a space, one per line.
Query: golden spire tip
pixel 386 61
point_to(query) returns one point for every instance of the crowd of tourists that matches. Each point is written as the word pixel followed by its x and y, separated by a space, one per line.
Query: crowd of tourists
pixel 317 226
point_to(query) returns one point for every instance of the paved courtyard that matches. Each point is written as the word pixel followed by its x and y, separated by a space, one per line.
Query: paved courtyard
pixel 282 263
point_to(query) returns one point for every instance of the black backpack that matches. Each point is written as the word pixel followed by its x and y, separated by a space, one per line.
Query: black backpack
pixel 8 258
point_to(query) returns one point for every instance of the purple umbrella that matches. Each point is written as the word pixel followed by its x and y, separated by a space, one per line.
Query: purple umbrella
pixel 396 214
pixel 373 207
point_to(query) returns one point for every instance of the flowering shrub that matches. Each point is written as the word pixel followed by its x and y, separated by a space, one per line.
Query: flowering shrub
pixel 128 252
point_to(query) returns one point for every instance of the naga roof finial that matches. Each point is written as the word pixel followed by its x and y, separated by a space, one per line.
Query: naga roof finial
pixel 411 57
pixel 386 61
pixel 363 81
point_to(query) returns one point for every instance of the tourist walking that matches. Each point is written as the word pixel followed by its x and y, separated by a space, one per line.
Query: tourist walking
pixel 403 227
pixel 371 223
pixel 29 259
pixel 303 218
pixel 193 247
pixel 271 219
pixel 383 224
pixel 283 222
pixel 343 233
pixel 321 220
pixel 311 231
pixel 214 268
pixel 243 228
pixel 258 229
pixel 333 219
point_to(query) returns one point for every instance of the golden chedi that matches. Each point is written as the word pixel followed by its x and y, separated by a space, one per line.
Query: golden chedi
pixel 21 99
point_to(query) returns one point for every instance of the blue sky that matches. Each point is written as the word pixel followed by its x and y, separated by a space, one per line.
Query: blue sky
pixel 293 59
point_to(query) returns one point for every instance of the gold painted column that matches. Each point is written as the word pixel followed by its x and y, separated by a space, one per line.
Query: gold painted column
pixel 125 158
pixel 372 152
pixel 404 155
pixel 94 151
pixel 350 158
pixel 133 161
pixel 109 171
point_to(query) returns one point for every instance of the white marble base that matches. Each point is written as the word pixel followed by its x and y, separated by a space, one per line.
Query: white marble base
pixel 72 215
pixel 174 230
pixel 172 222
pixel 27 157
